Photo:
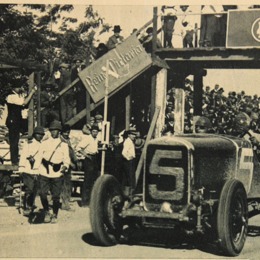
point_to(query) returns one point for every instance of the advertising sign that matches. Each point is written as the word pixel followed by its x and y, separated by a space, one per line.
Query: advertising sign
pixel 127 60
pixel 243 29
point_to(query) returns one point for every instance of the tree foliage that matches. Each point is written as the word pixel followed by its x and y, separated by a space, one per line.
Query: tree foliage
pixel 27 33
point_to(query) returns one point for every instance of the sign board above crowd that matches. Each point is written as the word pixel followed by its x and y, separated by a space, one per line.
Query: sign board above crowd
pixel 126 61
pixel 243 29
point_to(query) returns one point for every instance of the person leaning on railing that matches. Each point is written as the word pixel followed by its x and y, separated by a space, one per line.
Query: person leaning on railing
pixel 16 102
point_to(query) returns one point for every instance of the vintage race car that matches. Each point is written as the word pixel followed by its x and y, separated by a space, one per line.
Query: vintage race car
pixel 201 183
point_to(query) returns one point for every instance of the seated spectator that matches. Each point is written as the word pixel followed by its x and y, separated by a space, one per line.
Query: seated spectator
pixel 101 50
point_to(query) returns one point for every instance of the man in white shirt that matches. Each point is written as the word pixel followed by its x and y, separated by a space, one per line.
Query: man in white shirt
pixel 29 154
pixel 15 103
pixel 88 147
pixel 53 161
pixel 128 154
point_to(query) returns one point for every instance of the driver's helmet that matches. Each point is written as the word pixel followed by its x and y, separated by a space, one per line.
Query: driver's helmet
pixel 242 121
pixel 204 122
pixel 202 125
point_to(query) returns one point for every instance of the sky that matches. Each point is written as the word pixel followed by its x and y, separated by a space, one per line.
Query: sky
pixel 135 13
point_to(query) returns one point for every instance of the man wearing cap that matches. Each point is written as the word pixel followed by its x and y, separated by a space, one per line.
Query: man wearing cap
pixel 116 38
pixel 128 154
pixel 87 127
pixel 29 154
pixel 88 147
pixel 52 163
pixel 15 103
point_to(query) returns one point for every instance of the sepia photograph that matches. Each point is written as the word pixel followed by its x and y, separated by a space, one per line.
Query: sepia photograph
pixel 129 129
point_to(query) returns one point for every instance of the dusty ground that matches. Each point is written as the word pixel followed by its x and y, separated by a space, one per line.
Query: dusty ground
pixel 71 237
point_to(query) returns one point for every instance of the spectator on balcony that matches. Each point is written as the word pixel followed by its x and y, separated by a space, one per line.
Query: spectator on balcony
pixel 210 26
pixel 101 50
pixel 147 41
pixel 116 38
pixel 188 28
pixel 168 29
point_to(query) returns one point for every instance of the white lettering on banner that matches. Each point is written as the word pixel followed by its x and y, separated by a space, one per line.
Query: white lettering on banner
pixel 115 64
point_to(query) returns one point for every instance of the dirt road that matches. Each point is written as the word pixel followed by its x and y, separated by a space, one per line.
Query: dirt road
pixel 71 237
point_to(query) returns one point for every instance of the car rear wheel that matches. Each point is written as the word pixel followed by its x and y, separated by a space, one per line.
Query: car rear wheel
pixel 105 205
pixel 232 218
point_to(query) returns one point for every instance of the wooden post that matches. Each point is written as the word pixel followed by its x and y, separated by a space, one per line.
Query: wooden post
pixel 38 98
pixel 127 111
pixel 155 17
pixel 198 91
pixel 179 111
pixel 87 106
pixel 105 117
pixel 153 93
pixel 196 36
pixel 160 100
pixel 31 105
pixel 148 138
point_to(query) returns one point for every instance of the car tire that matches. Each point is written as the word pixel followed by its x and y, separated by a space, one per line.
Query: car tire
pixel 232 218
pixel 105 205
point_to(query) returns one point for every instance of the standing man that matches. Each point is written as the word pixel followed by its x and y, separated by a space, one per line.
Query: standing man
pixel 48 98
pixel 88 147
pixel 16 102
pixel 67 100
pixel 80 91
pixel 52 163
pixel 128 154
pixel 26 164
pixel 67 185
pixel 115 39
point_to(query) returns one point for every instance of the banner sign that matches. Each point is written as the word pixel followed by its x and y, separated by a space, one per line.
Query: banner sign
pixel 243 29
pixel 127 60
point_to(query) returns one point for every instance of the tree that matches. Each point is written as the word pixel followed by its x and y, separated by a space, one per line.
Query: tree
pixel 27 33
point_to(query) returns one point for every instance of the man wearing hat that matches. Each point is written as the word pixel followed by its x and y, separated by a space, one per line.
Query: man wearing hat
pixel 52 163
pixel 88 147
pixel 29 154
pixel 116 38
pixel 128 154
pixel 101 50
pixel 16 102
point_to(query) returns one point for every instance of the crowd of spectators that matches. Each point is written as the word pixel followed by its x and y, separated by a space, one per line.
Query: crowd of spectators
pixel 220 108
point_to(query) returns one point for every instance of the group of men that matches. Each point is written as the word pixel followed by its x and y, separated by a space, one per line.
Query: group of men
pixel 44 165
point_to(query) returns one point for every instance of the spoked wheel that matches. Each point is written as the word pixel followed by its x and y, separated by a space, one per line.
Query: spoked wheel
pixel 105 206
pixel 232 218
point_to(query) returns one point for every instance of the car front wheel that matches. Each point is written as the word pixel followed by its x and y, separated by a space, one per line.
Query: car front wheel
pixel 105 206
pixel 232 218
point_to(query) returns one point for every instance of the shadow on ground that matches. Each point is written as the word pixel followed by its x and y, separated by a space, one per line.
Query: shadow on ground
pixel 160 238
pixel 253 231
